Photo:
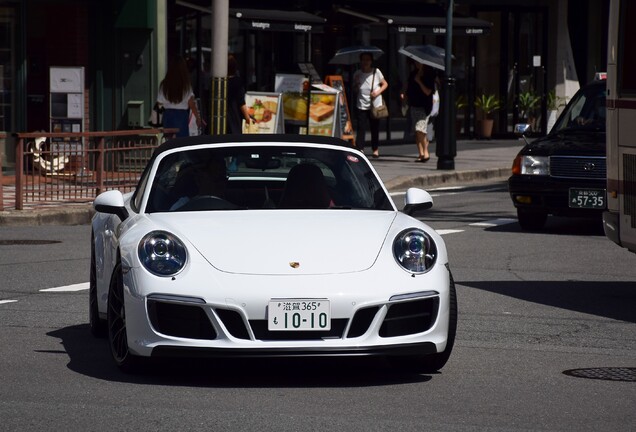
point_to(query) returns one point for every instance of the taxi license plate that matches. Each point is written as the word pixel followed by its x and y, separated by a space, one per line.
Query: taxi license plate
pixel 587 198
pixel 299 314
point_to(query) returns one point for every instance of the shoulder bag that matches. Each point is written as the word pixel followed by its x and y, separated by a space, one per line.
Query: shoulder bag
pixel 381 111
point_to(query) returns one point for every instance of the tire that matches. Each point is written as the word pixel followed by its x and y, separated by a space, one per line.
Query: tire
pixel 531 220
pixel 433 362
pixel 97 325
pixel 117 337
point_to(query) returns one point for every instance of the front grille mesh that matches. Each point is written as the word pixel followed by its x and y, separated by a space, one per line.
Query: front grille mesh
pixel 578 167
pixel 190 321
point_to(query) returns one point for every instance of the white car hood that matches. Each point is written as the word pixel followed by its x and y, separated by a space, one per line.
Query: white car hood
pixel 281 242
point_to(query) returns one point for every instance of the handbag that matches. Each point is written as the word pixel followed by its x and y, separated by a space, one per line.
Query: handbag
pixel 381 111
pixel 156 115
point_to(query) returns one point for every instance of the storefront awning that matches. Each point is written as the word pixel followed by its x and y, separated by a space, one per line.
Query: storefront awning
pixel 462 26
pixel 276 20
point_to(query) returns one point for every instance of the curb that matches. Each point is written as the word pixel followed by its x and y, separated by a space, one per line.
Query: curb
pixel 62 215
pixel 449 178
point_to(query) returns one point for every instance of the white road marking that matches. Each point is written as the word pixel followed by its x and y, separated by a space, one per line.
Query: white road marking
pixel 7 301
pixel 448 231
pixel 494 222
pixel 68 288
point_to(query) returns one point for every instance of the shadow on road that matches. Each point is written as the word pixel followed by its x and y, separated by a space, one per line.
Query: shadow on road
pixel 91 357
pixel 615 300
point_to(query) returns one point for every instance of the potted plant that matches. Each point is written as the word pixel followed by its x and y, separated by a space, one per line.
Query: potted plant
pixel 528 101
pixel 460 104
pixel 486 104
pixel 553 103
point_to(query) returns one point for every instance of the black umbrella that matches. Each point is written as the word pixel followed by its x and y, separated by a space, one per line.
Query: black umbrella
pixel 430 55
pixel 351 55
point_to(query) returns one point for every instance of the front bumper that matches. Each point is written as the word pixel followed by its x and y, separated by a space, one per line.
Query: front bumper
pixel 423 348
pixel 549 195
pixel 405 315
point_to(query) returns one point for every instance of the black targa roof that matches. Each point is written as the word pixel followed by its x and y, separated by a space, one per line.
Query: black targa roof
pixel 247 138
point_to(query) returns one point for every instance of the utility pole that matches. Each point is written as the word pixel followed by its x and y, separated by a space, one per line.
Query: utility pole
pixel 446 150
pixel 220 28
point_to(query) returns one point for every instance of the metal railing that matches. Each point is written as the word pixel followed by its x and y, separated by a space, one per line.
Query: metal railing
pixel 60 168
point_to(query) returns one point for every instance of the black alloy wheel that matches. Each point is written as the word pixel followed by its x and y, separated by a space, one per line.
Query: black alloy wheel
pixel 117 338
pixel 98 326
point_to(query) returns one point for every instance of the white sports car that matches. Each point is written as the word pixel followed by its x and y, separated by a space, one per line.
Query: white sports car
pixel 268 245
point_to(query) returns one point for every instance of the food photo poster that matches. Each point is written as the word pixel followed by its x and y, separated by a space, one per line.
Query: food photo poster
pixel 265 113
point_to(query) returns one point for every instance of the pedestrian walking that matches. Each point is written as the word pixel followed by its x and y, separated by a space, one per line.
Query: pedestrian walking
pixel 237 110
pixel 369 84
pixel 177 98
pixel 419 94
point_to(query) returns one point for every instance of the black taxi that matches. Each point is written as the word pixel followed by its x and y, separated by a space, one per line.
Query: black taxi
pixel 564 173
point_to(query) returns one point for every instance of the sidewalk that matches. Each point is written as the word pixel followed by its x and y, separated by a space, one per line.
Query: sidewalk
pixel 476 161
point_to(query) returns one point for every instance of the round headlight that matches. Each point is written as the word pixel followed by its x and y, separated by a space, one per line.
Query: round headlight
pixel 415 250
pixel 162 253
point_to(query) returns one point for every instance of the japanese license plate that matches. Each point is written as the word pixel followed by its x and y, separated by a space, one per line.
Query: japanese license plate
pixel 299 314
pixel 587 198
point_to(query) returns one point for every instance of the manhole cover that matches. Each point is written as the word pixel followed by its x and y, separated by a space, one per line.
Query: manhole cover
pixel 625 374
pixel 27 242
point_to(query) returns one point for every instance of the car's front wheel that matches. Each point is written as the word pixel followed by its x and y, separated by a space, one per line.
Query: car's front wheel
pixel 531 220
pixel 117 337
pixel 433 362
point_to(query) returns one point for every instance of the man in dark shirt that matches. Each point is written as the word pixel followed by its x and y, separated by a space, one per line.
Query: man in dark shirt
pixel 236 109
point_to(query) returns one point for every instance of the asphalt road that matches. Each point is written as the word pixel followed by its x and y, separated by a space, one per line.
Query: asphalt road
pixel 542 316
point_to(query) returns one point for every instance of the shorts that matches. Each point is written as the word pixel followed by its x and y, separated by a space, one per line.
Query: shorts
pixel 419 119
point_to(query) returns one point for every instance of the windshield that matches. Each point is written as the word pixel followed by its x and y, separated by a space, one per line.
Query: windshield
pixel 586 111
pixel 264 177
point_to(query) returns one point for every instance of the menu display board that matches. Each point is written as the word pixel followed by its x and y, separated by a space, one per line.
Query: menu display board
pixel 294 89
pixel 322 113
pixel 265 111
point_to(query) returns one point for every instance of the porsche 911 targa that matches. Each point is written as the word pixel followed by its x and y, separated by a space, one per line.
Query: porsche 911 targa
pixel 268 246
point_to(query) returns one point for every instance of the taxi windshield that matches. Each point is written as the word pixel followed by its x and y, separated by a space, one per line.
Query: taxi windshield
pixel 586 111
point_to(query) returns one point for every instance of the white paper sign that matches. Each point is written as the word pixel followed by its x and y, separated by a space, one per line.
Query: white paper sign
pixel 286 83
pixel 74 105
pixel 67 79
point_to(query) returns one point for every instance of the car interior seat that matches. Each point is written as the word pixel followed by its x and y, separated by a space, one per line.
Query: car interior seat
pixel 305 188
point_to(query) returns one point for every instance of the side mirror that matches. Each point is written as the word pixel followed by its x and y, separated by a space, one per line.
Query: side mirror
pixel 521 129
pixel 111 202
pixel 417 199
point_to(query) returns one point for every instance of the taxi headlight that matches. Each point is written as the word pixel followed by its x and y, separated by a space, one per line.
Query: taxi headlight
pixel 162 253
pixel 415 250
pixel 535 165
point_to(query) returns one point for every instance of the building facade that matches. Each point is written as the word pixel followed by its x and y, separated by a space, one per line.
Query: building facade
pixel 507 48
